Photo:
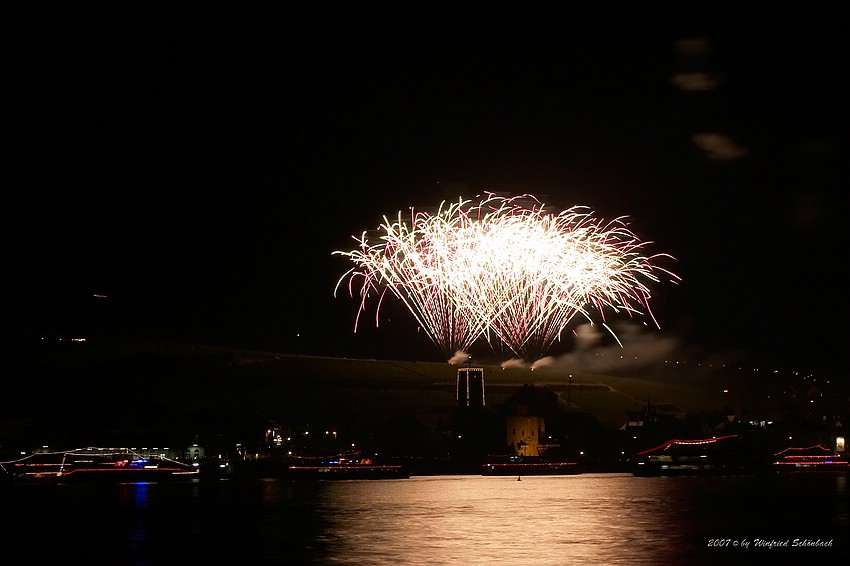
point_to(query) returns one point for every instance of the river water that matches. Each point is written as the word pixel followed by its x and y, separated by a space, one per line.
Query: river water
pixel 451 520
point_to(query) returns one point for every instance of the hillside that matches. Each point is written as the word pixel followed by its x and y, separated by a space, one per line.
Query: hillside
pixel 176 387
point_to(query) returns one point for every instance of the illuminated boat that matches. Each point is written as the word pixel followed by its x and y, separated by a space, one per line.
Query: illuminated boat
pixel 349 472
pixel 114 465
pixel 344 468
pixel 515 465
pixel 719 455
pixel 815 458
pixel 329 467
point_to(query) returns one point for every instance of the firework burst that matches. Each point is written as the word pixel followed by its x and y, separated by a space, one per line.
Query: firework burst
pixel 503 268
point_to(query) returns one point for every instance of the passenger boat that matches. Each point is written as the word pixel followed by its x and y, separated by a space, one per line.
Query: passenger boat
pixel 515 465
pixel 815 458
pixel 721 455
pixel 344 467
pixel 114 465
pixel 330 467
pixel 349 472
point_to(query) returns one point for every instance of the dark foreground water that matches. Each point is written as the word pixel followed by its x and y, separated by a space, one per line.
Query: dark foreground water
pixel 462 520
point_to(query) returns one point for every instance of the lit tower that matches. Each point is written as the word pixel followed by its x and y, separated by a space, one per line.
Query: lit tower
pixel 470 387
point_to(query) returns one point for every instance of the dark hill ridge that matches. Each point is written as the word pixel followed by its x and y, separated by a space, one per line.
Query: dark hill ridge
pixel 162 383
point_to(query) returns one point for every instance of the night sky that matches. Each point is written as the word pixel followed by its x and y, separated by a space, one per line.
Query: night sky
pixel 198 169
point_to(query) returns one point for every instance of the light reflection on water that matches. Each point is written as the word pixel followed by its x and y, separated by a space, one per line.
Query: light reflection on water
pixel 585 519
pixel 540 520
pixel 468 520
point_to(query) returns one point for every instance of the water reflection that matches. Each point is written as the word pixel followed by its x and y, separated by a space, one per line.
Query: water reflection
pixel 588 519
pixel 542 520
pixel 468 520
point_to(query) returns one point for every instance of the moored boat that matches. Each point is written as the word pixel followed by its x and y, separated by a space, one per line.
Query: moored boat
pixel 331 467
pixel 344 467
pixel 113 465
pixel 349 472
pixel 815 458
pixel 516 465
pixel 721 455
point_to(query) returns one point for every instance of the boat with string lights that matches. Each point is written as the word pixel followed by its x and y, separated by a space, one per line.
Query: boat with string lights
pixel 345 466
pixel 84 465
pixel 810 459
pixel 516 465
pixel 720 455
pixel 342 469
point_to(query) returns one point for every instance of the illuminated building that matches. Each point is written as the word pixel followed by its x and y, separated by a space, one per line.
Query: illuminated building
pixel 470 387
pixel 524 432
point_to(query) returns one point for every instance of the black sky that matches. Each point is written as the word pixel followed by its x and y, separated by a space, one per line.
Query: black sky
pixel 199 168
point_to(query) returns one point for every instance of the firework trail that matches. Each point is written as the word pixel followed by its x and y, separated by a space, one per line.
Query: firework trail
pixel 503 268
pixel 410 261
